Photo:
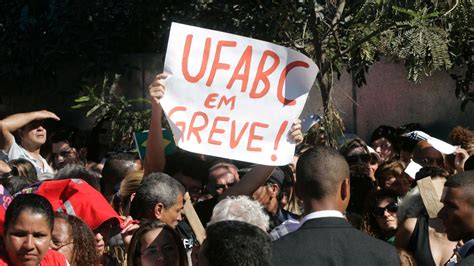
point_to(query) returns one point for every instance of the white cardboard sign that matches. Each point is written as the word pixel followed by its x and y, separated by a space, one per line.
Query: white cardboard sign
pixel 232 96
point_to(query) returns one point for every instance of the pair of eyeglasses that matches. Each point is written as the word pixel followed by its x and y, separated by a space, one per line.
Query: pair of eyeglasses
pixel 392 207
pixel 353 159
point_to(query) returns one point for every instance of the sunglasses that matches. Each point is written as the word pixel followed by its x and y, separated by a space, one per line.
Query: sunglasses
pixel 353 159
pixel 35 124
pixel 392 207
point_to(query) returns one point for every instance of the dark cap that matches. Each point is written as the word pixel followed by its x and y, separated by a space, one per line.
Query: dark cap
pixel 277 177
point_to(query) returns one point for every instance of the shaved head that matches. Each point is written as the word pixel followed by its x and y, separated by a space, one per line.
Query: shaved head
pixel 320 171
pixel 465 182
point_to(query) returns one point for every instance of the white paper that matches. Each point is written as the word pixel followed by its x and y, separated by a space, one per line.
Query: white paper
pixel 417 135
pixel 221 108
pixel 412 169
pixel 438 144
pixel 442 146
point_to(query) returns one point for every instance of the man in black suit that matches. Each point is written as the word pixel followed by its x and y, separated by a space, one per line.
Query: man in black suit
pixel 325 236
pixel 457 213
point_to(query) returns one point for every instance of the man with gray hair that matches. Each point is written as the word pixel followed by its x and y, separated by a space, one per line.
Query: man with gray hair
pixel 159 197
pixel 240 208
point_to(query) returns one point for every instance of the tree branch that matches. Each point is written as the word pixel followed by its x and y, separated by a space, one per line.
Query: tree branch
pixel 334 22
pixel 359 42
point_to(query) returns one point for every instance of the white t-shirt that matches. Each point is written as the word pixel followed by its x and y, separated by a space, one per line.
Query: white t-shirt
pixel 18 152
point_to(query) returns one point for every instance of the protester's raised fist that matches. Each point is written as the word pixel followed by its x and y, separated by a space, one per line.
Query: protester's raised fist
pixel 157 88
pixel 296 135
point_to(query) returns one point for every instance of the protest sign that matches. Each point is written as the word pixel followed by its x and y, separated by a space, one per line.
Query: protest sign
pixel 232 96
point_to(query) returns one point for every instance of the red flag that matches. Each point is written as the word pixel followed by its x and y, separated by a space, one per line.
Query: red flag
pixel 76 197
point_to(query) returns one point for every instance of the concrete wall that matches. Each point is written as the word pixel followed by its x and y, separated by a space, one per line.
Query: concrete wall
pixel 389 98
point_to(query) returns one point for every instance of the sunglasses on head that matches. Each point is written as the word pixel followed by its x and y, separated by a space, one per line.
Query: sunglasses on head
pixel 392 207
pixel 364 158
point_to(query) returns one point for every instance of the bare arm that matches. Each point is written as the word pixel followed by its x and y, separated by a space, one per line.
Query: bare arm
pixel 16 121
pixel 257 177
pixel 155 150
pixel 250 182
pixel 402 238
pixel 4 168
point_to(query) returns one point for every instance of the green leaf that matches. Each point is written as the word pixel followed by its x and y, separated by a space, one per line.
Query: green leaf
pixel 406 11
pixel 78 106
pixel 92 110
pixel 82 99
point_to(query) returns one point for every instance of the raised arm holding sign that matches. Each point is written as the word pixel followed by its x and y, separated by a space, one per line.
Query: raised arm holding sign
pixel 155 157
pixel 239 106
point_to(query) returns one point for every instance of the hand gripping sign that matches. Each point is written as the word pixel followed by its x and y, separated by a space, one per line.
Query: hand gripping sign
pixel 234 97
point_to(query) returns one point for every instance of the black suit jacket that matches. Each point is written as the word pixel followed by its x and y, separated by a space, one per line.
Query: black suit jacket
pixel 332 241
pixel 468 260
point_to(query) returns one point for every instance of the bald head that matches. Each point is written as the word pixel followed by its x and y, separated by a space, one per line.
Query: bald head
pixel 319 172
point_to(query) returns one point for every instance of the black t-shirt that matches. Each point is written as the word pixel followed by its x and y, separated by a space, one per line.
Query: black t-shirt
pixel 204 209
pixel 187 234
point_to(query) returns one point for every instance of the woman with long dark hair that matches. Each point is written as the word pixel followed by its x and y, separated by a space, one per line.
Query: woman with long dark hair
pixel 155 243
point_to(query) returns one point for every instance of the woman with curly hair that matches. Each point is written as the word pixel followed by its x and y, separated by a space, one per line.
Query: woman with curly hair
pixel 380 216
pixel 74 239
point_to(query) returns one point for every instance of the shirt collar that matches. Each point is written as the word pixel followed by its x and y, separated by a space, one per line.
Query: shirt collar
pixel 322 214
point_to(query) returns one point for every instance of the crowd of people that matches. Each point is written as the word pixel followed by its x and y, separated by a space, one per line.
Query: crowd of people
pixel 359 204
